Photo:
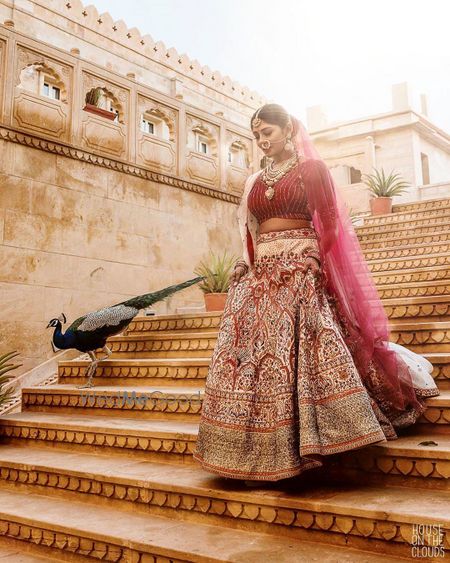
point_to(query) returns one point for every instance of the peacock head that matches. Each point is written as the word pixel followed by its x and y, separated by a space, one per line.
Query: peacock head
pixel 55 322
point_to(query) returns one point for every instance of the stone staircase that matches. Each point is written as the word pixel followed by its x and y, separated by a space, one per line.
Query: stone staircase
pixel 107 473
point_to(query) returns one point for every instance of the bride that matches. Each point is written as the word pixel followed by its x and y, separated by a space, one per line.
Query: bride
pixel 303 366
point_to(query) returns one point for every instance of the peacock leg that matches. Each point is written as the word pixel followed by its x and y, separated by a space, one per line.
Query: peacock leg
pixel 107 351
pixel 91 371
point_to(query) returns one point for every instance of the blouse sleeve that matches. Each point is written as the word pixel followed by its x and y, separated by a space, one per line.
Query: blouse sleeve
pixel 320 191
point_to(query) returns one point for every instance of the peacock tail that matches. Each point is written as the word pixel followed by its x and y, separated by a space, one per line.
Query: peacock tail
pixel 114 318
pixel 143 301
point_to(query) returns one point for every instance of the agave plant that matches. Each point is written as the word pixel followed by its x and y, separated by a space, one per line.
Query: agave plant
pixel 93 96
pixel 382 186
pixel 6 394
pixel 217 271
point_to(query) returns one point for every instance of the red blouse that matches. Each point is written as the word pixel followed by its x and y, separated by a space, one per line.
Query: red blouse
pixel 289 200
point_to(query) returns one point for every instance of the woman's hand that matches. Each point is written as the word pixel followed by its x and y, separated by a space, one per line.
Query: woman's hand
pixel 312 264
pixel 238 272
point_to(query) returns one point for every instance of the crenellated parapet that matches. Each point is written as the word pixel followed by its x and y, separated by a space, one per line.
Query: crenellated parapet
pixel 97 86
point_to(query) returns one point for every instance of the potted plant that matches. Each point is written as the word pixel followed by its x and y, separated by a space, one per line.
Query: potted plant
pixel 217 271
pixel 93 98
pixel 384 189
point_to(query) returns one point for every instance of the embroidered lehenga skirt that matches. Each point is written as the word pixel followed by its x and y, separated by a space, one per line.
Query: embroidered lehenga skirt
pixel 282 389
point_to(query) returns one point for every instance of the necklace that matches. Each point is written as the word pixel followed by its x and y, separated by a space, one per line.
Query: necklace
pixel 271 175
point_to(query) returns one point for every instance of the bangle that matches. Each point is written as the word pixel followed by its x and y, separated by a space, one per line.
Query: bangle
pixel 241 264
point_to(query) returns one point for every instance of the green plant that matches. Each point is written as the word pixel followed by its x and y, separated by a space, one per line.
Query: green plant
pixel 380 186
pixel 93 96
pixel 354 215
pixel 217 271
pixel 6 394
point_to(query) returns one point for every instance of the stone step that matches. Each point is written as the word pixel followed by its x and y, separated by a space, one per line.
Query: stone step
pixel 409 251
pixel 144 402
pixel 403 240
pixel 415 459
pixel 181 371
pixel 377 234
pixel 164 344
pixel 441 372
pixel 407 278
pixel 413 289
pixel 437 416
pixel 422 337
pixel 403 264
pixel 407 216
pixel 192 322
pixel 396 222
pixel 143 371
pixel 425 204
pixel 419 336
pixel 90 531
pixel 182 404
pixel 144 439
pixel 422 309
pixel 144 501
pixel 160 440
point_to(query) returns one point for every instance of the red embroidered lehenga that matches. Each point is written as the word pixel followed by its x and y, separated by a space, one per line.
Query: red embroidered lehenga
pixel 287 383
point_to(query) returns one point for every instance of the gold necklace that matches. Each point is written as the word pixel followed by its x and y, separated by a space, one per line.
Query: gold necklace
pixel 271 175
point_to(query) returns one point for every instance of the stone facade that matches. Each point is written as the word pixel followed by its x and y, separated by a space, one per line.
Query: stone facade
pixel 96 208
pixel 402 140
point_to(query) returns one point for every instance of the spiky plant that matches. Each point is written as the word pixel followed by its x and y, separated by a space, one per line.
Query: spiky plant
pixel 382 186
pixel 6 394
pixel 93 96
pixel 216 271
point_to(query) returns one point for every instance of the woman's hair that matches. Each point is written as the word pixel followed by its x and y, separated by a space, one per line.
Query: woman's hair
pixel 276 115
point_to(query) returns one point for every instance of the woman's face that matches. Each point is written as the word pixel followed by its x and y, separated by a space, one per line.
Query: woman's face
pixel 273 133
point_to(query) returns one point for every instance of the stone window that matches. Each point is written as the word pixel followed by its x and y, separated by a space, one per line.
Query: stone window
pixel 237 155
pixel 202 144
pixel 154 123
pixel 425 168
pixel 103 100
pixel 43 81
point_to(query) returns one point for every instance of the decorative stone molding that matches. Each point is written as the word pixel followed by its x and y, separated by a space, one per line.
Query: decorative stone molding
pixel 175 444
pixel 363 525
pixel 188 344
pixel 9 134
pixel 408 238
pixel 135 373
pixel 62 72
pixel 67 542
pixel 140 324
pixel 143 404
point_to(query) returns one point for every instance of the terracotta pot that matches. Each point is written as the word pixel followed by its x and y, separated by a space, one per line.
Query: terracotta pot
pixel 381 205
pixel 215 301
pixel 100 111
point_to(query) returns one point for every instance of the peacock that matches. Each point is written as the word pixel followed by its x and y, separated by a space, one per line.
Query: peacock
pixel 91 331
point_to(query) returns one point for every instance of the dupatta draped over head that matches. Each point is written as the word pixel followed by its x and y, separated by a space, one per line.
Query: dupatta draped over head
pixel 347 275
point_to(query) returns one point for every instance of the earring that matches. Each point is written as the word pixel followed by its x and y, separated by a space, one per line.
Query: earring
pixel 288 145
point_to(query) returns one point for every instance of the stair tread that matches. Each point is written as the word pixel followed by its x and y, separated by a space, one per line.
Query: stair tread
pixel 70 388
pixel 140 361
pixel 117 425
pixel 168 536
pixel 357 500
pixel 123 425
